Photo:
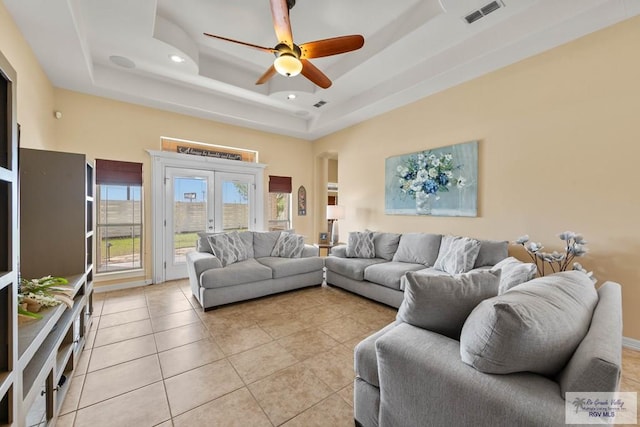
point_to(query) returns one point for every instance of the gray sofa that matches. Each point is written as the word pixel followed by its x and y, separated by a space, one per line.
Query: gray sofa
pixel 380 277
pixel 258 275
pixel 411 376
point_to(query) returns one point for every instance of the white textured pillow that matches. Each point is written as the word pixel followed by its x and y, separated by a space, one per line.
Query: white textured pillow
pixel 442 303
pixel 514 272
pixel 534 327
pixel 457 254
pixel 289 245
pixel 228 247
pixel 360 245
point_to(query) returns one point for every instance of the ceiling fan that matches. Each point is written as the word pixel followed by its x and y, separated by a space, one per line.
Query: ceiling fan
pixel 292 59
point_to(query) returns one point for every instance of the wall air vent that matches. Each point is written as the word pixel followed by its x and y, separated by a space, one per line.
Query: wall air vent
pixel 483 11
pixel 319 104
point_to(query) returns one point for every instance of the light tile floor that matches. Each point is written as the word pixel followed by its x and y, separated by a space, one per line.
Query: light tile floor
pixel 153 358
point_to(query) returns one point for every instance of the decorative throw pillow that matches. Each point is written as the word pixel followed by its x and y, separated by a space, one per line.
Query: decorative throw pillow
pixel 228 247
pixel 385 244
pixel 288 245
pixel 514 272
pixel 534 327
pixel 442 303
pixel 418 248
pixel 457 254
pixel 360 245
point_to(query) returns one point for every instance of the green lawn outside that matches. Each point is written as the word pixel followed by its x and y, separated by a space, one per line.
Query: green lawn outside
pixel 126 245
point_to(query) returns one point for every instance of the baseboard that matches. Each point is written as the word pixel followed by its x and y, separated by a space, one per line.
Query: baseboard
pixel 120 286
pixel 631 343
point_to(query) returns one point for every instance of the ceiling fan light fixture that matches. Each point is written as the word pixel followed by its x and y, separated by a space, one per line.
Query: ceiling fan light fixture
pixel 287 65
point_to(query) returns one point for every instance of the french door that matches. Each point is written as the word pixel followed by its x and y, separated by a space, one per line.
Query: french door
pixel 202 200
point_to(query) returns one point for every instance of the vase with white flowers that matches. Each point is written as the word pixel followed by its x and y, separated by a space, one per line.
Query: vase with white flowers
pixel 423 175
pixel 574 247
pixel 36 294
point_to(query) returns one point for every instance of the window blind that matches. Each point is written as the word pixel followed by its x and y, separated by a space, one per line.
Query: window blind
pixel 114 172
pixel 279 184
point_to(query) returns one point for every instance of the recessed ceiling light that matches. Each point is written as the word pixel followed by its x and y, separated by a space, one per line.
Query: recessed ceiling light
pixel 291 96
pixel 176 58
pixel 122 61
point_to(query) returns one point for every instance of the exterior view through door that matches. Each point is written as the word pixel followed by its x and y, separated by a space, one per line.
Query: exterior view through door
pixel 203 201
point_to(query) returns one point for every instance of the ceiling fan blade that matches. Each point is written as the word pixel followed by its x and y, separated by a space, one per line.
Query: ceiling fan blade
pixel 311 72
pixel 267 75
pixel 281 22
pixel 333 46
pixel 265 49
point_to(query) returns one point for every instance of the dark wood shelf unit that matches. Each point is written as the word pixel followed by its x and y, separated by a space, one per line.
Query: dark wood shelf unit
pixel 50 348
pixel 9 242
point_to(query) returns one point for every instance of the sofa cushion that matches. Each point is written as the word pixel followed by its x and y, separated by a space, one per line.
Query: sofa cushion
pixel 418 248
pixel 491 252
pixel 442 303
pixel 514 272
pixel 285 267
pixel 385 244
pixel 360 245
pixel 457 254
pixel 202 244
pixel 353 268
pixel 241 272
pixel 533 327
pixel 264 242
pixel 389 274
pixel 288 245
pixel 228 247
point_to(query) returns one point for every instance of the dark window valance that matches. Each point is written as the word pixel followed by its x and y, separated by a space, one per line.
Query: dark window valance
pixel 279 184
pixel 114 172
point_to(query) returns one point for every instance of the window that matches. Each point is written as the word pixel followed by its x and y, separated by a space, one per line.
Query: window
pixel 119 210
pixel 279 203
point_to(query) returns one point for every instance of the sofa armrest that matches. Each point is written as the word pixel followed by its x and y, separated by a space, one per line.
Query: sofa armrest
pixel 340 251
pixel 199 262
pixel 310 251
pixel 422 378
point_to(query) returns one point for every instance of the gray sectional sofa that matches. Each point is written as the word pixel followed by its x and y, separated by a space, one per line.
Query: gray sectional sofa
pixel 559 334
pixel 378 275
pixel 252 267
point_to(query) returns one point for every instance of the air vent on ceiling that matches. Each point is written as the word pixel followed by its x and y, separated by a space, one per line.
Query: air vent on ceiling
pixel 483 11
pixel 319 104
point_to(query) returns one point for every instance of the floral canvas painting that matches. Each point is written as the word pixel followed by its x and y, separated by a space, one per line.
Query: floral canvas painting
pixel 439 182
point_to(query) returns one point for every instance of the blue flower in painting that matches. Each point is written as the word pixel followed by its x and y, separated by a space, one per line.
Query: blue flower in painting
pixel 431 187
pixel 443 179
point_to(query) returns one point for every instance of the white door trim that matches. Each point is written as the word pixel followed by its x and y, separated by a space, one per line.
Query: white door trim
pixel 163 159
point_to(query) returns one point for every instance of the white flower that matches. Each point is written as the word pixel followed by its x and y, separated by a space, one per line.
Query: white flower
pixel 461 182
pixel 422 175
pixel 449 174
pixel 567 235
pixel 448 157
pixel 435 163
pixel 433 173
pixel 522 239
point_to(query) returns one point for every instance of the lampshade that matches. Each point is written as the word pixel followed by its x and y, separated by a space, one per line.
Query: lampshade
pixel 335 212
pixel 287 65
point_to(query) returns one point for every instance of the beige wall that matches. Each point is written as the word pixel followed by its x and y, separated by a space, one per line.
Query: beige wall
pixel 35 92
pixel 107 129
pixel 559 150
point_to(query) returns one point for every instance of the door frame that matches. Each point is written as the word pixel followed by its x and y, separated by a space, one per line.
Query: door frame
pixel 163 159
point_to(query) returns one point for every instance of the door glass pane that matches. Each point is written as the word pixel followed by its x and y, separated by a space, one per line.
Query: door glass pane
pixel 189 214
pixel 235 205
